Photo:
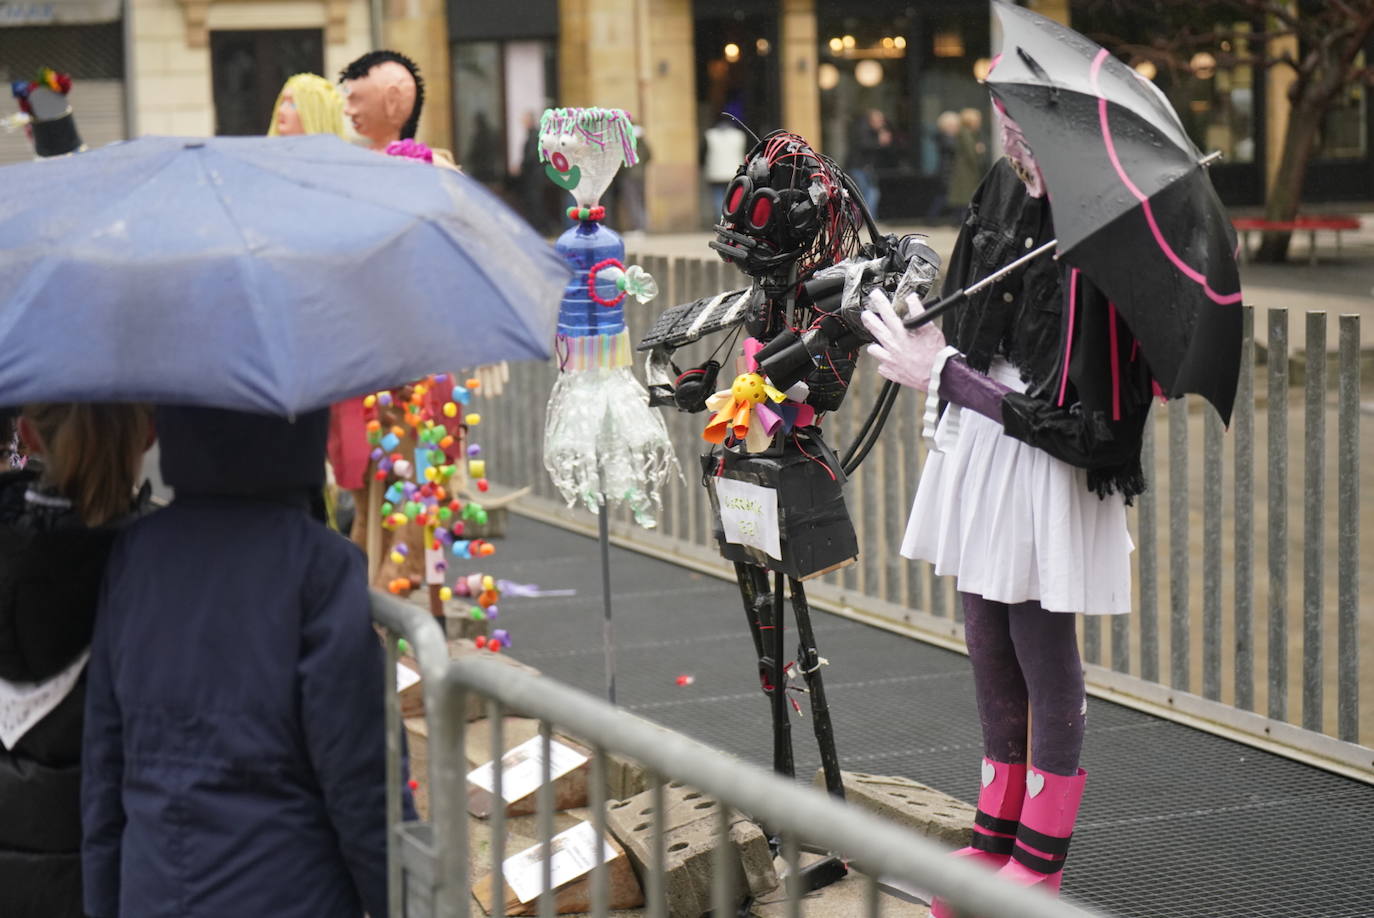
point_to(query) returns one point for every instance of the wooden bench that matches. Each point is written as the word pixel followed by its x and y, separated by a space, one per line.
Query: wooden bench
pixel 1336 223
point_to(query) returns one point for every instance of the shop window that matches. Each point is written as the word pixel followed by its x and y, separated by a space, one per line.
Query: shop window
pixel 1346 131
pixel 248 69
pixel 737 69
pixel 500 89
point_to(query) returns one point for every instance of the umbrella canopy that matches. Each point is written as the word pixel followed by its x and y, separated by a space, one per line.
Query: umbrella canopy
pixel 1133 208
pixel 274 275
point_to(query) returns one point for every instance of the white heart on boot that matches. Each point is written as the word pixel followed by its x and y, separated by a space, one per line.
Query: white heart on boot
pixel 1035 783
pixel 989 773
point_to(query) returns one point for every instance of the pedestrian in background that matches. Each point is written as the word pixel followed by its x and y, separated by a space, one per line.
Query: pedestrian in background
pixel 970 159
pixel 723 146
pixel 307 104
pixel 532 181
pixel 870 139
pixel 234 653
pixel 947 127
pixel 58 519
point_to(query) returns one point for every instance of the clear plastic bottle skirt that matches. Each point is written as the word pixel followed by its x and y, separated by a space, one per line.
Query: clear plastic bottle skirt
pixel 601 437
pixel 1012 523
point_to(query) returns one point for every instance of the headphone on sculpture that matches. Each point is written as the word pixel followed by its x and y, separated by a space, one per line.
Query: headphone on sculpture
pixel 786 204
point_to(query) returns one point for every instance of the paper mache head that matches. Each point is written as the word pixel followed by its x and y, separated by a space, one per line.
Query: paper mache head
pixel 44 109
pixel 583 148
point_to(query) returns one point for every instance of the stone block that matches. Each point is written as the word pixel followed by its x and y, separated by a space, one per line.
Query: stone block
pixel 624 777
pixel 689 843
pixel 934 814
pixel 477 704
pixel 460 625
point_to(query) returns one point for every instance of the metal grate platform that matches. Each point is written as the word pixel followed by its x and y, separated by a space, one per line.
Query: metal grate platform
pixel 1175 822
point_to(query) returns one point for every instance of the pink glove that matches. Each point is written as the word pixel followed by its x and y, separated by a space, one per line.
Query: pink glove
pixel 904 355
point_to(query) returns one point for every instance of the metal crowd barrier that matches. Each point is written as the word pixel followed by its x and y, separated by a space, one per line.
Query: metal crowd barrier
pixel 1213 545
pixel 428 862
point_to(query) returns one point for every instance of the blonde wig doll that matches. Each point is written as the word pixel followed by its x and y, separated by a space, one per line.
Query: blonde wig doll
pixel 308 104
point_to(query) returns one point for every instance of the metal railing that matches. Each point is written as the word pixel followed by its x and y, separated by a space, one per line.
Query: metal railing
pixel 1226 656
pixel 428 862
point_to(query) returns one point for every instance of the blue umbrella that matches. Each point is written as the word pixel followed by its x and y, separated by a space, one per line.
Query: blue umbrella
pixel 264 274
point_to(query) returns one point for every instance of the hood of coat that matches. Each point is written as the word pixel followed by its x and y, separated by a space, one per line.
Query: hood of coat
pixel 50 571
pixel 212 451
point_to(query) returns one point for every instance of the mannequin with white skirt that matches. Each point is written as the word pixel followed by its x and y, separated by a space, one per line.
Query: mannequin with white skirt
pixel 1022 500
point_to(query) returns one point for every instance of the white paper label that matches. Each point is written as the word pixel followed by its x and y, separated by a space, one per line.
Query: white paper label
pixel 574 853
pixel 434 564
pixel 522 768
pixel 749 515
pixel 405 677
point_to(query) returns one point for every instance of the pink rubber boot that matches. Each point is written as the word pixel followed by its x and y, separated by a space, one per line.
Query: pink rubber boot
pixel 995 824
pixel 1042 841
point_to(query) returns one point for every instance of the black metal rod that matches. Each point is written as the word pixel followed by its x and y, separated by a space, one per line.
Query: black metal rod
pixel 607 629
pixel 782 724
pixel 809 659
pixel 749 593
pixel 873 427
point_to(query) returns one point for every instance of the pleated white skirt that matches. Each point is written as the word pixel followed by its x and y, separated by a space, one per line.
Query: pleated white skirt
pixel 1012 523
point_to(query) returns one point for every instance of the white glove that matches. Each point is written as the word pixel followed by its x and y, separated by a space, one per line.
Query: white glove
pixel 904 355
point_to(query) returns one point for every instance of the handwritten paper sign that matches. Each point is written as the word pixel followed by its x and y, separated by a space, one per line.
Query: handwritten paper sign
pixel 522 768
pixel 749 515
pixel 574 853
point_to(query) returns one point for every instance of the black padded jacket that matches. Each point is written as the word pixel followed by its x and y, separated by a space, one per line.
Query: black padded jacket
pixel 50 573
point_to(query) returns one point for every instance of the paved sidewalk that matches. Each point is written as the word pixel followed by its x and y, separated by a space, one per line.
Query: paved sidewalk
pixel 1175 822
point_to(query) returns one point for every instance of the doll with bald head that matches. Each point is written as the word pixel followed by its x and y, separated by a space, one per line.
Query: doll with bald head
pixel 383 95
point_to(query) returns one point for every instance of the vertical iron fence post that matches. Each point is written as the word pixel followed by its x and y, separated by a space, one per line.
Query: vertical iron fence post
pixel 1180 632
pixel 1211 553
pixel 1348 528
pixel 1147 529
pixel 1244 509
pixel 1278 513
pixel 1313 519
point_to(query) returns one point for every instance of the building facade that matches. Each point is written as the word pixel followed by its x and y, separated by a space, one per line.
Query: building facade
pixel 819 67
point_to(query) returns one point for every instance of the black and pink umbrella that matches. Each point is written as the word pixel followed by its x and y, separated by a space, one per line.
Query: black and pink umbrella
pixel 1133 206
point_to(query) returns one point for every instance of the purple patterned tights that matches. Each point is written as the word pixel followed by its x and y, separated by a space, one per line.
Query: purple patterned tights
pixel 1026 659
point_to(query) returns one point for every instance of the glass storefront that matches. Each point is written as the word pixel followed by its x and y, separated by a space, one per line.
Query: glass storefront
pixel 886 76
pixel 737 67
pixel 504 70
pixel 500 89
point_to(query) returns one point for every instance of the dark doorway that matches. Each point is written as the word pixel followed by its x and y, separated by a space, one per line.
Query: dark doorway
pixel 737 66
pixel 249 68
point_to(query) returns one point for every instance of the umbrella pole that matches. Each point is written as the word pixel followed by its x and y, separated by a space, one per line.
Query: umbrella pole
pixel 603 517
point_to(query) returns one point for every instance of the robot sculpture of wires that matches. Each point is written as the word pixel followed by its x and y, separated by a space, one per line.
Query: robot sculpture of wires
pixel 791 221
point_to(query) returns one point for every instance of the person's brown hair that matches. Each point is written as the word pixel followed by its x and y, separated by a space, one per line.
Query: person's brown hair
pixel 92 454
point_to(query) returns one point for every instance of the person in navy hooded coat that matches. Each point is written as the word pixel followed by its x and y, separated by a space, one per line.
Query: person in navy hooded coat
pixel 234 738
